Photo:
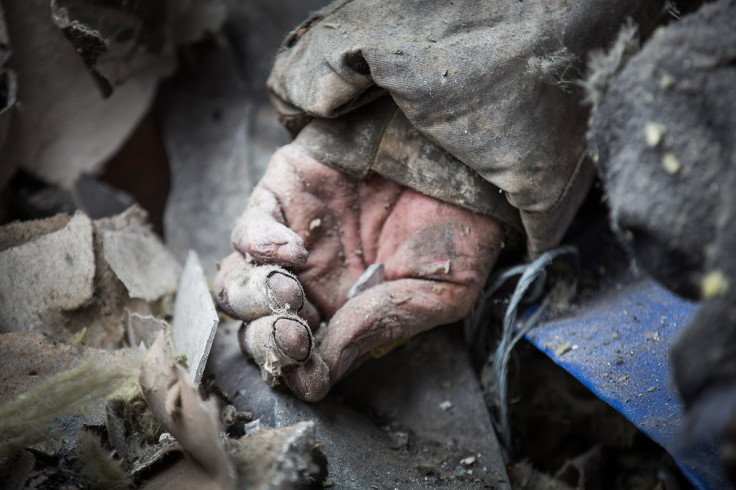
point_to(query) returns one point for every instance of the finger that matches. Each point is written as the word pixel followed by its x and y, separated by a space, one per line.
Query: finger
pixel 248 291
pixel 309 381
pixel 275 343
pixel 389 314
pixel 261 232
pixel 284 351
pixel 311 315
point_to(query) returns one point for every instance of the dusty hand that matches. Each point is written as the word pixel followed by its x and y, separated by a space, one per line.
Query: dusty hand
pixel 328 227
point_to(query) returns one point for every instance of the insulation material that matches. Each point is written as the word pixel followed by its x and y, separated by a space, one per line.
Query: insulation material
pixel 53 272
pixel 194 423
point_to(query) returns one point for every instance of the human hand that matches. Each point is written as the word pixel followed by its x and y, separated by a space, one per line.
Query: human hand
pixel 328 227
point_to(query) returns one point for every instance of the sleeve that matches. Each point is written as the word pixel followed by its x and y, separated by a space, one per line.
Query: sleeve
pixel 485 85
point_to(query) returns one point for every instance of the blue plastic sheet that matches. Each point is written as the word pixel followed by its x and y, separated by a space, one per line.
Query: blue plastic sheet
pixel 615 342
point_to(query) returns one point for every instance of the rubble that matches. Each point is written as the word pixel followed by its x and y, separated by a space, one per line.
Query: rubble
pixel 52 394
pixel 280 458
pixel 141 262
pixel 382 425
pixel 54 272
pixel 144 329
pixel 194 423
pixel 62 275
pixel 266 459
pixel 195 318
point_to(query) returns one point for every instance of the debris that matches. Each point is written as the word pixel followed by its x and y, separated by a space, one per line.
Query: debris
pixel 670 163
pixel 583 471
pixel 230 415
pixel 314 224
pixel 373 276
pixel 557 68
pixel 281 458
pixel 469 461
pixel 252 427
pixel 563 349
pixel 525 477
pixel 714 284
pixel 182 474
pixel 134 431
pixel 144 329
pixel 653 133
pixel 651 336
pixel 72 380
pixel 56 278
pixel 78 338
pixel 101 64
pixel 98 469
pixel 53 272
pixel 357 445
pixel 139 259
pixel 666 81
pixel 195 318
pixel 446 406
pixel 106 316
pixel 382 350
pixel 398 439
pixel 21 232
pixel 171 394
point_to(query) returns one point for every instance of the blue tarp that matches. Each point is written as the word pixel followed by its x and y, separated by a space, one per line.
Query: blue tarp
pixel 615 341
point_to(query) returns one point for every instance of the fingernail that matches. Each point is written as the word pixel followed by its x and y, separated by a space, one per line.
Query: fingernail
pixel 286 290
pixel 294 252
pixel 292 338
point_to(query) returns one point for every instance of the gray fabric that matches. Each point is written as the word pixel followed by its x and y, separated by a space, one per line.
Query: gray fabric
pixel 67 55
pixel 678 220
pixel 378 138
pixel 490 82
pixel 118 39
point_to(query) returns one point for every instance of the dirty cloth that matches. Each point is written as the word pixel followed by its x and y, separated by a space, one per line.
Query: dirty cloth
pixel 485 85
pixel 84 73
pixel 665 136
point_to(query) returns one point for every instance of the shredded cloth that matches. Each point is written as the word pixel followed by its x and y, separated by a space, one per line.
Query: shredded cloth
pixel 529 288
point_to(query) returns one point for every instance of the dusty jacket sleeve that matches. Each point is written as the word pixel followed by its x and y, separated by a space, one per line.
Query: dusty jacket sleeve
pixel 491 84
